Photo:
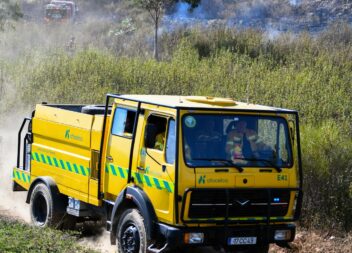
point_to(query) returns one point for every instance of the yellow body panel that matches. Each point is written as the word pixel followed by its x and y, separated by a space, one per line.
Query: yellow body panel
pixel 62 150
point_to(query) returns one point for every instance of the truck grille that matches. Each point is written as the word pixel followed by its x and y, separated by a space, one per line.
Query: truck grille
pixel 233 203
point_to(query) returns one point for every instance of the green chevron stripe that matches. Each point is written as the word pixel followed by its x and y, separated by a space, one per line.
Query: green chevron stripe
pixel 122 174
pixel 43 159
pixel 140 178
pixel 19 175
pixel 49 160
pixel 69 166
pixel 167 186
pixel 24 177
pixel 83 171
pixel 113 169
pixel 157 184
pixel 58 163
pixel 147 180
pixel 37 157
pixel 62 164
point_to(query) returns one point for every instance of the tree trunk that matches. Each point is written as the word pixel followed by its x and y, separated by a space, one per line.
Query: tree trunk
pixel 156 55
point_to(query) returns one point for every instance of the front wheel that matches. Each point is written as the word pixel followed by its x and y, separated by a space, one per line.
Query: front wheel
pixel 131 233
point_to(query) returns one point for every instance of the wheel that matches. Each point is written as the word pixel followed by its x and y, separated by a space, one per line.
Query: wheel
pixel 131 233
pixel 42 209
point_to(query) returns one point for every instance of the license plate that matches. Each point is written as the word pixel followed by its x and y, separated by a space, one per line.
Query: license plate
pixel 242 240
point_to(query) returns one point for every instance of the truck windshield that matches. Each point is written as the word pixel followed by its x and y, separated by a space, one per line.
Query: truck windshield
pixel 211 140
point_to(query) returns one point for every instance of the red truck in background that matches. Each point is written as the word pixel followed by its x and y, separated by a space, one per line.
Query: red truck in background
pixel 58 11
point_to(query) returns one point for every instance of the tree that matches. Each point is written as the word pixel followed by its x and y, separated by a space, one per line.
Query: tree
pixel 9 10
pixel 156 9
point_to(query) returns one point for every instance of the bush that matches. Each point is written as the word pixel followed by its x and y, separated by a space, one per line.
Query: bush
pixel 327 166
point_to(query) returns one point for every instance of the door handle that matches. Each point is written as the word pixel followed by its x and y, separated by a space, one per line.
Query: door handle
pixel 140 168
pixel 110 159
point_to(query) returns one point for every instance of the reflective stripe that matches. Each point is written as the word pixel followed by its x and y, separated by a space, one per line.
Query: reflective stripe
pixel 141 178
pixel 113 169
pixel 122 174
pixel 21 176
pixel 59 163
pixel 56 163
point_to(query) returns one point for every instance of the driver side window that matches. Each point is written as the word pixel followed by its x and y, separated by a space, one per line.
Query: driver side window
pixel 156 128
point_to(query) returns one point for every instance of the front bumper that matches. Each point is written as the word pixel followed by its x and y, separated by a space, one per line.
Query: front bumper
pixel 218 236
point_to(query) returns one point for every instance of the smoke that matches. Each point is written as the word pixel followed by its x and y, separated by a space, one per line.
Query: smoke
pixel 294 2
pixel 273 17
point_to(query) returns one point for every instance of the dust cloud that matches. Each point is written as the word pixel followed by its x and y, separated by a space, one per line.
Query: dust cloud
pixel 11 203
pixel 31 41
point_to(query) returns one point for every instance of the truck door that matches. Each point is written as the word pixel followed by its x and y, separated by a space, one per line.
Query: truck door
pixel 118 150
pixel 156 170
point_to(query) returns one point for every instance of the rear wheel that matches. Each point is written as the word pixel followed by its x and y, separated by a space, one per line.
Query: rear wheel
pixel 131 233
pixel 42 209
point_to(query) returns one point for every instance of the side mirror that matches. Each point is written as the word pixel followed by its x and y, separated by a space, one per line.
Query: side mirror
pixel 150 135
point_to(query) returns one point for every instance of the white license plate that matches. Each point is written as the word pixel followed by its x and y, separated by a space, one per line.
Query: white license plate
pixel 241 240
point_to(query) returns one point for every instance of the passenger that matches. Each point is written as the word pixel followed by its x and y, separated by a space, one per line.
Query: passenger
pixel 241 142
pixel 160 141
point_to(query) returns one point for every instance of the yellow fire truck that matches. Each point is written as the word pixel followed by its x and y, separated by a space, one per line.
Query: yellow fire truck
pixel 165 172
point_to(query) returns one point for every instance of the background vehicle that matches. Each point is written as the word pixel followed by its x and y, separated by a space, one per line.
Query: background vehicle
pixel 151 167
pixel 60 11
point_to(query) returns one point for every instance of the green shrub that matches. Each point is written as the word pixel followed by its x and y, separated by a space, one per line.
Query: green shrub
pixel 327 163
pixel 19 237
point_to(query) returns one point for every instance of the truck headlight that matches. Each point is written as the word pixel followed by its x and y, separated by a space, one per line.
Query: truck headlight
pixel 282 235
pixel 193 238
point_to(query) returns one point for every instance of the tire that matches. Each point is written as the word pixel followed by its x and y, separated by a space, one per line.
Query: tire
pixel 43 212
pixel 131 233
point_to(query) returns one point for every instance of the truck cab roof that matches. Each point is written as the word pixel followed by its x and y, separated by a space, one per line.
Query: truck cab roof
pixel 201 103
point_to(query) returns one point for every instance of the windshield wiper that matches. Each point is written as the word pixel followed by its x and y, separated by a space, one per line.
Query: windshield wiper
pixel 223 161
pixel 269 162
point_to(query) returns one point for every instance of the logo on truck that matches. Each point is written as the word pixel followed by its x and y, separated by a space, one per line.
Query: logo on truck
pixel 69 136
pixel 201 180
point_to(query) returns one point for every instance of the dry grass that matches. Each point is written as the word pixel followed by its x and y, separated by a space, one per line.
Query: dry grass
pixel 318 242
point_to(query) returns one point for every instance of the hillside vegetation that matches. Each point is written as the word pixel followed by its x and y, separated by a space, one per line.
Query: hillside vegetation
pixel 309 74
